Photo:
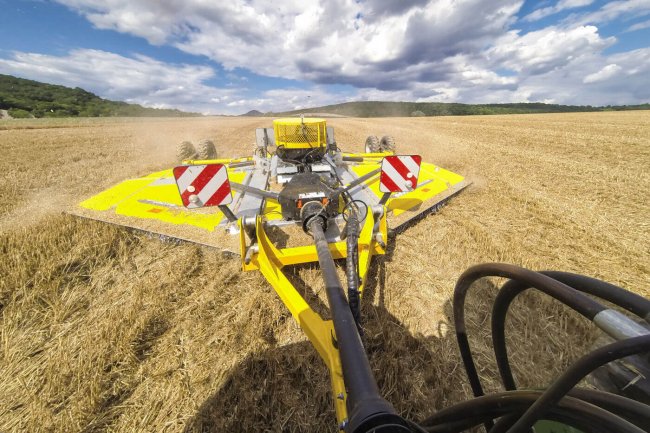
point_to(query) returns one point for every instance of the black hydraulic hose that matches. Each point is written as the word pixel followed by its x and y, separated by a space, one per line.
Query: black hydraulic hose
pixel 634 411
pixel 365 405
pixel 352 265
pixel 570 410
pixel 583 304
pixel 571 378
pixel 630 301
pixel 635 304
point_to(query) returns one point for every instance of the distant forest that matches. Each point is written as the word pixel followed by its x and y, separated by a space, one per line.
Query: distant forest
pixel 419 109
pixel 26 98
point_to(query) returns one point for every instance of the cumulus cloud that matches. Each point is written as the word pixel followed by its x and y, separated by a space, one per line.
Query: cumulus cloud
pixel 424 50
pixel 386 44
pixel 138 79
pixel 606 73
pixel 627 85
pixel 547 49
pixel 560 6
pixel 142 80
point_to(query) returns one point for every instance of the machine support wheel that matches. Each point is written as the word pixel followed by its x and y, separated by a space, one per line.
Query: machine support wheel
pixel 372 144
pixel 185 150
pixel 387 144
pixel 206 150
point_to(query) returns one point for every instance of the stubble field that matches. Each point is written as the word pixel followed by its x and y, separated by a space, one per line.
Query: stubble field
pixel 106 329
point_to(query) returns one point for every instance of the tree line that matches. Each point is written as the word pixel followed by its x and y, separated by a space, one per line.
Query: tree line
pixel 27 98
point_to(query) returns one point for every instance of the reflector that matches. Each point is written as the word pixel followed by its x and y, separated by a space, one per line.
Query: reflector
pixel 399 173
pixel 203 185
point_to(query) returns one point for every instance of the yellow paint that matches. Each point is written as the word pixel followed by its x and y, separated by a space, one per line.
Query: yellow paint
pixel 136 198
pixel 216 161
pixel 154 197
pixel 109 198
pixel 318 331
pixel 270 260
pixel 432 181
pixel 272 210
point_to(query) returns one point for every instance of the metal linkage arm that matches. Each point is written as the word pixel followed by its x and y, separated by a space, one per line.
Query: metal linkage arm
pixel 358 181
pixel 252 190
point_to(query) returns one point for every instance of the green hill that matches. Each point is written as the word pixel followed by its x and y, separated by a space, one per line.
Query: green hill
pixel 27 98
pixel 417 109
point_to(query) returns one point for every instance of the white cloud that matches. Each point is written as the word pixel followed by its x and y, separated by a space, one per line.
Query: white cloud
pixel 566 85
pixel 386 44
pixel 152 83
pixel 547 49
pixel 138 79
pixel 606 73
pixel 559 7
pixel 612 10
pixel 417 50
pixel 639 26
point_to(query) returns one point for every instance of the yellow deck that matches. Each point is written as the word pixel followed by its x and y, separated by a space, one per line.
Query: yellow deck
pixel 152 203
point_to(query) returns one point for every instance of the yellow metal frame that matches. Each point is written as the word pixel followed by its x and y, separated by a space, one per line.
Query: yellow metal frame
pixel 225 161
pixel 270 260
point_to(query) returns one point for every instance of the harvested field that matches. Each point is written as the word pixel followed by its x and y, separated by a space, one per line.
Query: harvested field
pixel 105 329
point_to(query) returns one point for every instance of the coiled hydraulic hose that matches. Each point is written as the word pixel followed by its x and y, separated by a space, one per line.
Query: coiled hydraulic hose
pixel 352 265
pixel 609 292
pixel 635 304
pixel 571 378
pixel 569 410
pixel 595 410
pixel 579 302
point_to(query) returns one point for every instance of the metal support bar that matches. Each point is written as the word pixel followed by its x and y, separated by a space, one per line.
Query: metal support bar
pixel 241 164
pixel 252 190
pixel 359 181
pixel 227 212
pixel 384 198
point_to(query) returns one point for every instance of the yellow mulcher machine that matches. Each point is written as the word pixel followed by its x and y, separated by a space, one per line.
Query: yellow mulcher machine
pixel 300 199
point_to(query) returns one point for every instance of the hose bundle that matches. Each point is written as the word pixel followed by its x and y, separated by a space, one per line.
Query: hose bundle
pixel 516 411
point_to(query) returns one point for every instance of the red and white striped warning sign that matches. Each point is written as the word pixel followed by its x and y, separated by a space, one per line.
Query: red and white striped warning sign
pixel 399 173
pixel 203 185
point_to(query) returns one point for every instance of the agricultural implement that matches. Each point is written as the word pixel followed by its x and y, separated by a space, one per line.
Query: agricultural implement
pixel 300 199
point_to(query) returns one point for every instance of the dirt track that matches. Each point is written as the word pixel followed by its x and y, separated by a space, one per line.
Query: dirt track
pixel 107 330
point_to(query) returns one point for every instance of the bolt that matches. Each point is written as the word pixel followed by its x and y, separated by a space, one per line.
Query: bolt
pixel 340 396
pixel 194 198
pixel 343 424
pixel 191 188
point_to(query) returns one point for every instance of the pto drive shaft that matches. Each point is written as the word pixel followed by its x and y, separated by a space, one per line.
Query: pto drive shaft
pixel 367 410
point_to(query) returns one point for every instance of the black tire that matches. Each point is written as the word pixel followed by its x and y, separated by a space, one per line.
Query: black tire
pixel 185 150
pixel 206 150
pixel 372 144
pixel 387 144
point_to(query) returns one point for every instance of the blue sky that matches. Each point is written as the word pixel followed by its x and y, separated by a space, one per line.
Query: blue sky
pixel 231 57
